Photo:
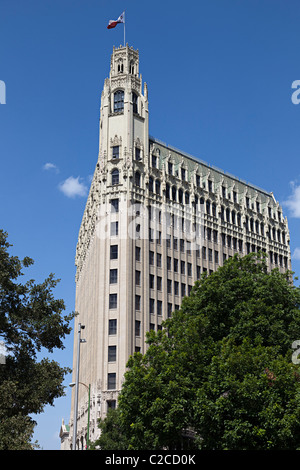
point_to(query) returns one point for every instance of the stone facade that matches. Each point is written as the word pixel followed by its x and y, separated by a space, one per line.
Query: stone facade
pixel 155 219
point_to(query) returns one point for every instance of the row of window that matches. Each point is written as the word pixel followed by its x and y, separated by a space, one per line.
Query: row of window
pixel 119 102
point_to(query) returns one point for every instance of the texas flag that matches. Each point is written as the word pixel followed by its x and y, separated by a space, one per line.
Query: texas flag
pixel 113 23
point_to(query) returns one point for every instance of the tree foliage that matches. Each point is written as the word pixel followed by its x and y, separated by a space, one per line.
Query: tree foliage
pixel 221 370
pixel 31 320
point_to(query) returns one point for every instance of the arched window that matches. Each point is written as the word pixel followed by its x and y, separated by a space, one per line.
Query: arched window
pixel 227 215
pixel 135 102
pixel 233 217
pixel 214 210
pixel 151 184
pixel 174 193
pixel 180 196
pixel 115 176
pixel 157 187
pixel 119 101
pixel 167 191
pixel 137 178
pixel 208 207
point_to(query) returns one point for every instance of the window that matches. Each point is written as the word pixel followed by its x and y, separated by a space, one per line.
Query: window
pixel 169 309
pixel 159 283
pixel 151 257
pixel 116 152
pixel 113 300
pixel 112 327
pixel 183 290
pixel 159 307
pixel 112 353
pixel 113 276
pixel 183 173
pixel 111 381
pixel 115 177
pixel 119 101
pixel 169 286
pixel 189 265
pixel 137 153
pixel 137 328
pixel 182 267
pixel 154 161
pixel 111 404
pixel 170 168
pixel 175 265
pixel 114 205
pixel 151 281
pixel 114 229
pixel 134 103
pixel 168 263
pixel 137 178
pixel 157 187
pixel 209 186
pixel 137 278
pixel 151 184
pixel 138 302
pixel 137 253
pixel 114 252
pixel 151 305
pixel 176 287
pixel 158 260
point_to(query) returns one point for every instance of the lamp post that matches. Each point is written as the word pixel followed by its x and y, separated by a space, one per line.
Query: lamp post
pixel 72 384
pixel 80 327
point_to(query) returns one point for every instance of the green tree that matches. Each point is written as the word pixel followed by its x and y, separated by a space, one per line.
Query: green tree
pixel 112 436
pixel 221 369
pixel 31 320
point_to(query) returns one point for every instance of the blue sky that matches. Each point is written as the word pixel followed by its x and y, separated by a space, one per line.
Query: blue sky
pixel 219 76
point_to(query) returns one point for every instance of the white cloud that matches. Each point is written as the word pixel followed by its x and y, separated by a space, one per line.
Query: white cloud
pixel 72 187
pixel 50 166
pixel 293 202
pixel 296 254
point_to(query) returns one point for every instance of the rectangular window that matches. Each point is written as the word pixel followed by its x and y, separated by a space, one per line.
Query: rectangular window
pixel 176 287
pixel 151 305
pixel 183 290
pixel 151 257
pixel 138 302
pixel 170 168
pixel 169 286
pixel 159 307
pixel 114 252
pixel 137 253
pixel 113 276
pixel 175 265
pixel 113 300
pixel 216 257
pixel 137 278
pixel 189 265
pixel 151 281
pixel 210 254
pixel 137 328
pixel 112 353
pixel 114 205
pixel 111 381
pixel 158 260
pixel 182 267
pixel 111 404
pixel 159 283
pixel 170 308
pixel 115 152
pixel 112 327
pixel 168 263
pixel 114 229
pixel 137 153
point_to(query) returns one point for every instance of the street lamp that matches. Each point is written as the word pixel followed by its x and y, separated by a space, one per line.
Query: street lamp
pixel 80 327
pixel 72 384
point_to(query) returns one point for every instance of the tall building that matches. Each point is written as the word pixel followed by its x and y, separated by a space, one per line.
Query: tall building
pixel 155 219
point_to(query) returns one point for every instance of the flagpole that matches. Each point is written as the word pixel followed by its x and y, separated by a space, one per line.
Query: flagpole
pixel 124 29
